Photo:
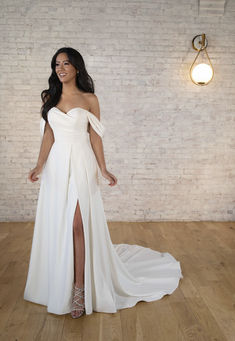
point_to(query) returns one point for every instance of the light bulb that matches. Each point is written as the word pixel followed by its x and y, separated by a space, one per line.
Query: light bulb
pixel 202 73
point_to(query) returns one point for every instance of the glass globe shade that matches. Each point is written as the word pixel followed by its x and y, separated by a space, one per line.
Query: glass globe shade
pixel 202 74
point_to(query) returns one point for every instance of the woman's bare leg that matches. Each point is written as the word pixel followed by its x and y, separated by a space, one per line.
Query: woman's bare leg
pixel 79 258
pixel 79 248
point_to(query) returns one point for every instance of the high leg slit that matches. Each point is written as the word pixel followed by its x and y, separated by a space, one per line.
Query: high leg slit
pixel 72 193
pixel 79 248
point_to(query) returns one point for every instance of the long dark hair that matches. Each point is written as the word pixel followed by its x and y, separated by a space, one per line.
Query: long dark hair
pixel 50 97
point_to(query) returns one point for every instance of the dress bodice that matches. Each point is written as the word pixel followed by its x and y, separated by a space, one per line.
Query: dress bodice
pixel 72 124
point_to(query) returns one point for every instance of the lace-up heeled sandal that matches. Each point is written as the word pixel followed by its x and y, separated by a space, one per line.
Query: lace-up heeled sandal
pixel 78 308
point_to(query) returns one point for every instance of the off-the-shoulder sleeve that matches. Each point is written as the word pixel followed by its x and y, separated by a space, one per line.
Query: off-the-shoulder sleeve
pixel 42 126
pixel 96 124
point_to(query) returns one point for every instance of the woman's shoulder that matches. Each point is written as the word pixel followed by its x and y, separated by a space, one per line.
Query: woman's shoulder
pixel 92 100
pixel 93 104
pixel 90 96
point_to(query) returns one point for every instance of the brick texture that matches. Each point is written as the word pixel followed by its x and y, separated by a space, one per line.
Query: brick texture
pixel 169 142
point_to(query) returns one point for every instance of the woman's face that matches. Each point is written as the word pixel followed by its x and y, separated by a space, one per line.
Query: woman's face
pixel 64 69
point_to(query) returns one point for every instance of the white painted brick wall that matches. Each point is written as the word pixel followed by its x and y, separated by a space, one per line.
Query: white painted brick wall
pixel 170 143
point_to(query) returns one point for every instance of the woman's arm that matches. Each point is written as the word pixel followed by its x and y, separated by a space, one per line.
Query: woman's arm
pixel 97 144
pixel 96 140
pixel 47 142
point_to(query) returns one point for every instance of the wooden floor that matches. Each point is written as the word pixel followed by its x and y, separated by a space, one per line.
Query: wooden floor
pixel 201 308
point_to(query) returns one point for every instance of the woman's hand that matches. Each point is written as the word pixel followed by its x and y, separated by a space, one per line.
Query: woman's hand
pixel 33 174
pixel 107 175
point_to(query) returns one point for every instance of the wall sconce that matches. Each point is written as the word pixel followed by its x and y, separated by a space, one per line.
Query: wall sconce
pixel 201 74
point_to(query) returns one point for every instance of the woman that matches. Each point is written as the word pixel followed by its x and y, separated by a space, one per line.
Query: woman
pixel 74 267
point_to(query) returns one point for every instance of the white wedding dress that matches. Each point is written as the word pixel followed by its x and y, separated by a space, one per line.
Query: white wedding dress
pixel 116 276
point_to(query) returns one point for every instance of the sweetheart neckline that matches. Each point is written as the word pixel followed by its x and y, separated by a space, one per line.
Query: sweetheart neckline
pixel 71 110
